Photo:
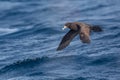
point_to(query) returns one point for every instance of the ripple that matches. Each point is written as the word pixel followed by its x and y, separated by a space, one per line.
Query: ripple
pixel 8 5
pixel 25 63
pixel 4 31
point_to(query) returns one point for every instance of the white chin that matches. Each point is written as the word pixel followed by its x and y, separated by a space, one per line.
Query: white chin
pixel 64 27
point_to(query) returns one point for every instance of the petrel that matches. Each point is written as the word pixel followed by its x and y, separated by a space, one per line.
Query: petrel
pixel 80 28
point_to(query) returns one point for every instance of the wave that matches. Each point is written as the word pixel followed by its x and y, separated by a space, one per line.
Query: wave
pixel 102 61
pixel 25 63
pixel 5 31
pixel 79 78
pixel 10 5
pixel 82 78
pixel 112 35
pixel 15 33
pixel 40 61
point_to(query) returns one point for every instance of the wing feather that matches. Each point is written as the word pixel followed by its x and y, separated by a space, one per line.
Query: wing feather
pixel 67 39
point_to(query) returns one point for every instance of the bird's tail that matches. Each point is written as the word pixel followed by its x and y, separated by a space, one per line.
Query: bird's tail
pixel 96 28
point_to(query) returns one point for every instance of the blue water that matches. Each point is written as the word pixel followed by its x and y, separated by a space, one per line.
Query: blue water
pixel 31 30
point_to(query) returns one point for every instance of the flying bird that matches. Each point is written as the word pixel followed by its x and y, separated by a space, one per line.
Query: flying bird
pixel 80 28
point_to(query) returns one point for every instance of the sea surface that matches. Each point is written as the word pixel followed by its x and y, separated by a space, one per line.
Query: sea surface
pixel 31 30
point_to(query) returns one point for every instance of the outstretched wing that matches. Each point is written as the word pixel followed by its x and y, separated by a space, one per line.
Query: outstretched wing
pixel 84 38
pixel 67 39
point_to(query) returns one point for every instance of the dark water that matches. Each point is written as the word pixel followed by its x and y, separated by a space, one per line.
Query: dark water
pixel 30 31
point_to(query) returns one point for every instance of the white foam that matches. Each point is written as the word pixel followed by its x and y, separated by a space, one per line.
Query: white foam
pixel 4 31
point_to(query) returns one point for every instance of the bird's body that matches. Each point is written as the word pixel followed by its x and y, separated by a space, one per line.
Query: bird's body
pixel 80 28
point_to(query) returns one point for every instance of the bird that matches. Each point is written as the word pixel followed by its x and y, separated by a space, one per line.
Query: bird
pixel 83 29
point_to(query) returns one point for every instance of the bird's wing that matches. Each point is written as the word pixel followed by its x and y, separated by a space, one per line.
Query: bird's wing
pixel 85 38
pixel 84 33
pixel 67 39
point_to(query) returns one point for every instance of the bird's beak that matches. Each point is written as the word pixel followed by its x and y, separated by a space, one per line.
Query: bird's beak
pixel 64 27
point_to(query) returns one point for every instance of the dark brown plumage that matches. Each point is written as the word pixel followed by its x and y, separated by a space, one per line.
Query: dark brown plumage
pixel 80 28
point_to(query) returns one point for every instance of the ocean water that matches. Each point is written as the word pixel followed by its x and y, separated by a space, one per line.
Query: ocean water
pixel 31 30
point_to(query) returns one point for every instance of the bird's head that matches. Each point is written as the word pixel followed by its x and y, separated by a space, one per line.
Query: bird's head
pixel 69 25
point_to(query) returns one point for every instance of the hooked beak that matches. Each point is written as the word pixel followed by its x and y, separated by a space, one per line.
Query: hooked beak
pixel 64 27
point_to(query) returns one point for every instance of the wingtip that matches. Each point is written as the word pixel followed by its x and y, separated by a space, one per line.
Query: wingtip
pixel 58 49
